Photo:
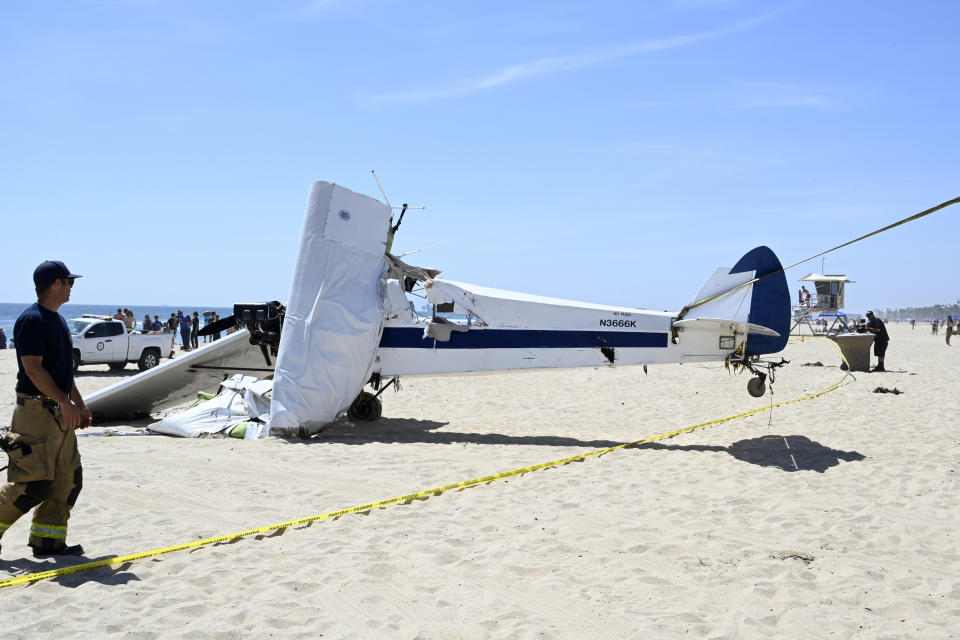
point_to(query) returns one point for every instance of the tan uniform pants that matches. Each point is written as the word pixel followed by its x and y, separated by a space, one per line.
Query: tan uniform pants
pixel 45 471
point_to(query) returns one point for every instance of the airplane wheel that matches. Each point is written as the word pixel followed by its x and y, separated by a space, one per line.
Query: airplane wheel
pixel 756 387
pixel 367 407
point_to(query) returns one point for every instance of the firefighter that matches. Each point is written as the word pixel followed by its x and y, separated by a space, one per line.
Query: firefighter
pixel 44 469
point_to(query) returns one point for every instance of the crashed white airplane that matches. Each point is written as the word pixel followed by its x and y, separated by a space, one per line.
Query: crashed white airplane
pixel 348 323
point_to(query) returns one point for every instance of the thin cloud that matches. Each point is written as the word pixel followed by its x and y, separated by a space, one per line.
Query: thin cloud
pixel 558 64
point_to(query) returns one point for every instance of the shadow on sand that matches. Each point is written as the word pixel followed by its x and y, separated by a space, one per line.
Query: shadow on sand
pixel 109 575
pixel 787 453
pixel 404 430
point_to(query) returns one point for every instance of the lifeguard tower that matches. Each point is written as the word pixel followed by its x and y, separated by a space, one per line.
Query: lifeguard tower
pixel 824 303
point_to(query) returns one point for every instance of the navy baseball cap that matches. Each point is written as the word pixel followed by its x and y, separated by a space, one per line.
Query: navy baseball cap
pixel 47 272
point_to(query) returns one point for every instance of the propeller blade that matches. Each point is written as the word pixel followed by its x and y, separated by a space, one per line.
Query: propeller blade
pixel 216 327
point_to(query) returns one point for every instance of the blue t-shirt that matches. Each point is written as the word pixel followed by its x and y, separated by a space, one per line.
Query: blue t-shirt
pixel 41 332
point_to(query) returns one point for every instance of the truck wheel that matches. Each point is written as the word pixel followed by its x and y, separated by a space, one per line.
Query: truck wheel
pixel 149 359
pixel 76 361
pixel 116 366
pixel 366 407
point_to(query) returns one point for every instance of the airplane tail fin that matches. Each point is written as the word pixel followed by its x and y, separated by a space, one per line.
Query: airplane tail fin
pixel 761 309
pixel 769 302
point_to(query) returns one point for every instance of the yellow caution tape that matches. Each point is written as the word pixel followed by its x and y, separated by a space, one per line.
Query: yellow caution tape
pixel 107 562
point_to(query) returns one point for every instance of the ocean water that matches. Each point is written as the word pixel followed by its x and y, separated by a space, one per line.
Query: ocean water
pixel 9 311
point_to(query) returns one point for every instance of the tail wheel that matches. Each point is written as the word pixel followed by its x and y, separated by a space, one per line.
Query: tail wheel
pixel 756 387
pixel 367 408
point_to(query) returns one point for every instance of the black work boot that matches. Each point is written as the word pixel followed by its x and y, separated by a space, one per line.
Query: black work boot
pixel 62 550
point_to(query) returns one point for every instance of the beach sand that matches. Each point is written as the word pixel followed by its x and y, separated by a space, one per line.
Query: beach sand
pixel 834 517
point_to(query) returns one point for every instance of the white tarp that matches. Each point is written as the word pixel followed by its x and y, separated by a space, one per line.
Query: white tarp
pixel 241 399
pixel 335 311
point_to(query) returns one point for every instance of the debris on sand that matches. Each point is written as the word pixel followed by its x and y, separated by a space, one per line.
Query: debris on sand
pixel 894 391
pixel 803 556
pixel 812 364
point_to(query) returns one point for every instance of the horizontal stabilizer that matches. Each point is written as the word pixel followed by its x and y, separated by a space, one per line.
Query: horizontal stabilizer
pixel 720 324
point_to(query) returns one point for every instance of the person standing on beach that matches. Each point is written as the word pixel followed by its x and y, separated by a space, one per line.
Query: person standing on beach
pixel 880 338
pixel 171 328
pixel 194 331
pixel 185 332
pixel 3 339
pixel 949 328
pixel 45 465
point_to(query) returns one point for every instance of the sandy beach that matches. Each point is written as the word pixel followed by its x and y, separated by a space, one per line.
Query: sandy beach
pixel 834 517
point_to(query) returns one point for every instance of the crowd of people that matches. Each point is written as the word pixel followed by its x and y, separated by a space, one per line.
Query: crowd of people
pixel 187 325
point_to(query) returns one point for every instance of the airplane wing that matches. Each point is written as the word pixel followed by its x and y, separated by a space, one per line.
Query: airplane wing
pixel 178 380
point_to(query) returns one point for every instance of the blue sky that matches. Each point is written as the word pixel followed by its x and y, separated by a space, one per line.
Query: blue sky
pixel 607 151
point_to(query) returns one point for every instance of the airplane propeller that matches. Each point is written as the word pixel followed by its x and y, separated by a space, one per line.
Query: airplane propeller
pixel 264 321
pixel 220 325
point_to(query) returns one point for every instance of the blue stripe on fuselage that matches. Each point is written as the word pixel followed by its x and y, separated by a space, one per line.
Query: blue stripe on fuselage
pixel 412 338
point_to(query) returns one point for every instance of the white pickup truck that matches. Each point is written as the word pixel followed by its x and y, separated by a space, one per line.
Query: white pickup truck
pixel 103 340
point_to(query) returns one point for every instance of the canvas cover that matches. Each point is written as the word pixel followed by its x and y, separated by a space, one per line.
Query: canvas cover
pixel 241 399
pixel 335 311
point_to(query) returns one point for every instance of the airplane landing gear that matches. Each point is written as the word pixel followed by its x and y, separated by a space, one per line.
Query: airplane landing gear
pixel 367 407
pixel 756 387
